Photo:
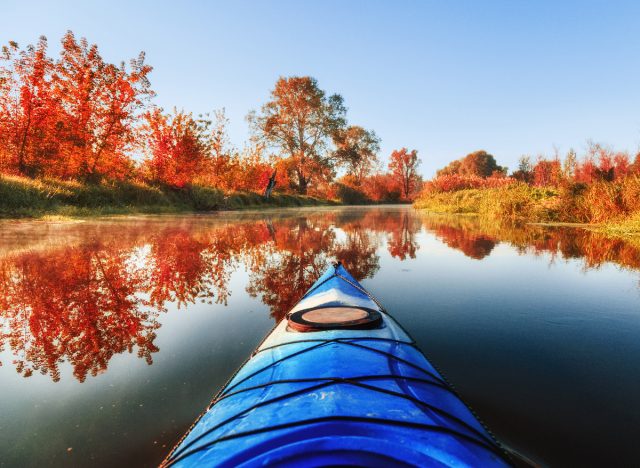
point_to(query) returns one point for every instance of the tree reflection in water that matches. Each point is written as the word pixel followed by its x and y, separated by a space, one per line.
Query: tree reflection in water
pixel 102 293
pixel 476 238
pixel 75 304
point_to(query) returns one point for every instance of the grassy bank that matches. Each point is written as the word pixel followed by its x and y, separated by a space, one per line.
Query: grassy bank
pixel 516 202
pixel 613 208
pixel 629 226
pixel 23 197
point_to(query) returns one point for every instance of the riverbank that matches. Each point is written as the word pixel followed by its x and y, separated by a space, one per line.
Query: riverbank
pixel 22 197
pixel 607 207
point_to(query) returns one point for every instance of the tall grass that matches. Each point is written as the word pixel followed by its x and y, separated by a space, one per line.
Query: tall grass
pixel 24 197
pixel 614 203
pixel 624 227
pixel 514 201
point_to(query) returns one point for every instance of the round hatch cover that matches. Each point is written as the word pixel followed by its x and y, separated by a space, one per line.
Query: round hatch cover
pixel 330 318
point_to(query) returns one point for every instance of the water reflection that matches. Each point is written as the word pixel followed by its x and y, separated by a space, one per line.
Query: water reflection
pixel 99 289
pixel 476 238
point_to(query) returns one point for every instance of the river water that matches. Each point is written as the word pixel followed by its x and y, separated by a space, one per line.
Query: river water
pixel 116 333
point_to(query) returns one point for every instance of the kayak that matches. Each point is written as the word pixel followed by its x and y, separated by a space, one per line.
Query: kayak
pixel 337 382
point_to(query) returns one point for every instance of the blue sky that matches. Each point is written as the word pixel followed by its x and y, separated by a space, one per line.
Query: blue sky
pixel 444 77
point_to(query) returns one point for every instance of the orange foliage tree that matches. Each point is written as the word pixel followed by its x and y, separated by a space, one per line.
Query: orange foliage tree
pixel 228 168
pixel 101 103
pixel 473 245
pixel 454 182
pixel 403 165
pixel 547 172
pixel 382 187
pixel 79 117
pixel 71 118
pixel 83 304
pixel 251 171
pixel 29 111
pixel 176 148
pixel 300 120
pixel 401 238
pixel 221 151
pixel 479 163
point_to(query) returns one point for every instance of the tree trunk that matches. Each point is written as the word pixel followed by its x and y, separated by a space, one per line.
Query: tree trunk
pixel 22 166
pixel 302 189
pixel 302 183
pixel 270 185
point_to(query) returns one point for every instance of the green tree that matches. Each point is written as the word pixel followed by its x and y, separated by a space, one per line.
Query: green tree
pixel 525 170
pixel 300 120
pixel 524 164
pixel 356 149
pixel 570 164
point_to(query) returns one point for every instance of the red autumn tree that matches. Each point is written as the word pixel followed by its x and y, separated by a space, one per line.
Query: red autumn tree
pixel 547 172
pixel 176 148
pixel 223 158
pixel 473 245
pixel 382 187
pixel 621 165
pixel 28 110
pixel 403 166
pixel 401 238
pixel 524 173
pixel 248 170
pixel 634 167
pixel 101 104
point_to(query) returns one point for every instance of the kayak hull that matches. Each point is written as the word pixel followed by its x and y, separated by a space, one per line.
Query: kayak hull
pixel 346 396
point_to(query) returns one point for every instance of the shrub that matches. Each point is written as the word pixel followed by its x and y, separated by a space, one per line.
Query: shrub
pixel 206 198
pixel 454 182
pixel 630 192
pixel 350 195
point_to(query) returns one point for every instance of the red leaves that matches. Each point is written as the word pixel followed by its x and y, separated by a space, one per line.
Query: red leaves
pixel 454 182
pixel 81 118
pixel 28 110
pixel 403 165
pixel 598 164
pixel 547 173
pixel 380 187
pixel 71 118
pixel 176 152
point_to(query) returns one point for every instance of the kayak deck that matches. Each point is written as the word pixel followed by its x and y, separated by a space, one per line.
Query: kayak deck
pixel 364 397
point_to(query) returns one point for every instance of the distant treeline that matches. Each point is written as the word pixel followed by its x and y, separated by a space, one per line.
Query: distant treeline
pixel 80 118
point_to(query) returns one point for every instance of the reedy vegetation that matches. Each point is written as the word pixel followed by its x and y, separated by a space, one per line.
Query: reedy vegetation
pixel 603 188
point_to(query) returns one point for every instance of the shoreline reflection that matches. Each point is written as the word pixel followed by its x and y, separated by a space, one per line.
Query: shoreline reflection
pixel 99 289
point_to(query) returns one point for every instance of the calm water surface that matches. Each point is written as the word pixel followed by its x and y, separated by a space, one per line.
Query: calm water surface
pixel 115 334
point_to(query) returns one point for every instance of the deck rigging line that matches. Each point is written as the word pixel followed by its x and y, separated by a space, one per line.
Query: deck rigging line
pixel 345 341
pixel 327 382
pixel 496 450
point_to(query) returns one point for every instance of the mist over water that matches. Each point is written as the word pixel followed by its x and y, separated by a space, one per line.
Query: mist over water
pixel 116 333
